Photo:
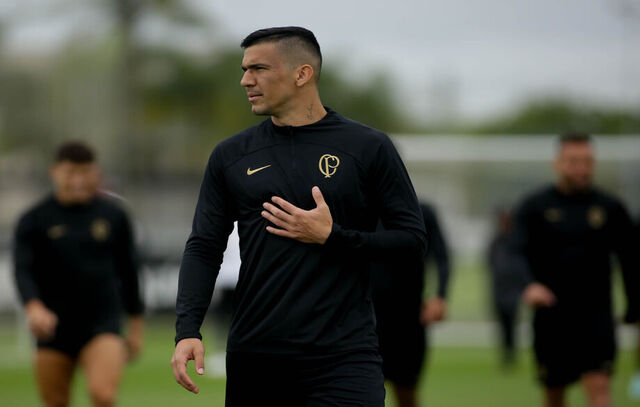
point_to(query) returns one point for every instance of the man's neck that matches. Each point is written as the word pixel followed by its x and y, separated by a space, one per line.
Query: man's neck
pixel 303 113
pixel 67 201
pixel 567 189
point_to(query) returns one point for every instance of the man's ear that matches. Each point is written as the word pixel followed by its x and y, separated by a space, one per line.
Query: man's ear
pixel 555 164
pixel 52 171
pixel 304 74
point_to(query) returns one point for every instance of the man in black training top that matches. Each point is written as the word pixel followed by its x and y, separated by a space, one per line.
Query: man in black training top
pixel 75 269
pixel 567 233
pixel 401 313
pixel 307 187
pixel 508 275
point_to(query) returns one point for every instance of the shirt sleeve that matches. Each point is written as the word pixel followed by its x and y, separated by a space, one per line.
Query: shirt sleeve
pixel 127 266
pixel 396 202
pixel 212 224
pixel 519 242
pixel 24 258
pixel 625 237
pixel 438 247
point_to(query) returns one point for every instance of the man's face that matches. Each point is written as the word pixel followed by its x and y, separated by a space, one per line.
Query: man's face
pixel 75 183
pixel 268 79
pixel 574 165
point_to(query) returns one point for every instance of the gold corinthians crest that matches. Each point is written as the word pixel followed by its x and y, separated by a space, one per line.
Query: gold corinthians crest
pixel 553 215
pixel 100 229
pixel 57 231
pixel 596 216
pixel 328 165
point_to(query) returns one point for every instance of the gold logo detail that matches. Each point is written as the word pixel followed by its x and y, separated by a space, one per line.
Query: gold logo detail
pixel 553 214
pixel 250 171
pixel 100 229
pixel 57 231
pixel 596 216
pixel 328 165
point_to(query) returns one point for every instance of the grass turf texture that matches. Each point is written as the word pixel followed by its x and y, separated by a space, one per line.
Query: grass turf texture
pixel 455 377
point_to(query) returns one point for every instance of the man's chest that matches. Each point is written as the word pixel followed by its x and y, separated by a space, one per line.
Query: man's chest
pixel 559 225
pixel 87 232
pixel 290 170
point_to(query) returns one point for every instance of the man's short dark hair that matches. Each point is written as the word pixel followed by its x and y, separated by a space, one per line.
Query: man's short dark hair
pixel 288 36
pixel 573 137
pixel 76 152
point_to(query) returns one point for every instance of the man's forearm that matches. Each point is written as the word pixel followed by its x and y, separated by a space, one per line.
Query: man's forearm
pixel 195 288
pixel 379 244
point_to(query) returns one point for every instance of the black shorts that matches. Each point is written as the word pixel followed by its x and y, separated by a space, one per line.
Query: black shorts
pixel 567 348
pixel 346 379
pixel 71 336
pixel 403 346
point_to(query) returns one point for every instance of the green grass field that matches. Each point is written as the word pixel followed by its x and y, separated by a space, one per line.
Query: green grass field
pixel 456 377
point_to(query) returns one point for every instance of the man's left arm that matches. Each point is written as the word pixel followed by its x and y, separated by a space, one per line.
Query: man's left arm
pixel 127 266
pixel 435 309
pixel 626 239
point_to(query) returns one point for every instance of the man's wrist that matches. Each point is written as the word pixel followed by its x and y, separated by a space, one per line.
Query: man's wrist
pixel 193 335
pixel 33 304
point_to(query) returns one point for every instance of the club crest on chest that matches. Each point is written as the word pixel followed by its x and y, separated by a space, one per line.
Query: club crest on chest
pixel 56 231
pixel 100 229
pixel 596 216
pixel 328 165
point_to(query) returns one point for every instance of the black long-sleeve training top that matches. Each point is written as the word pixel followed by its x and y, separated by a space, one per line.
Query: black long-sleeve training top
pixel 293 297
pixel 568 242
pixel 79 260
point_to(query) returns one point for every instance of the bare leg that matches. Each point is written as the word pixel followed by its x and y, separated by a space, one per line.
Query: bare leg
pixel 406 396
pixel 597 388
pixel 103 359
pixel 554 396
pixel 54 372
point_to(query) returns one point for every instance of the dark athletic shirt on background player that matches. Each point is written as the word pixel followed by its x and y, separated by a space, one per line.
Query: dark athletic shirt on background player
pixel 296 298
pixel 568 242
pixel 398 288
pixel 79 261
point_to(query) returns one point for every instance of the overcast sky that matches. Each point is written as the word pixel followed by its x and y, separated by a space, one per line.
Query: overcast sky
pixel 472 57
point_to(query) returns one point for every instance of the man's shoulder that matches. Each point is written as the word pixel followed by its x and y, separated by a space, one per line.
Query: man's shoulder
pixel 538 197
pixel 358 131
pixel 35 214
pixel 607 199
pixel 109 207
pixel 241 143
pixel 41 206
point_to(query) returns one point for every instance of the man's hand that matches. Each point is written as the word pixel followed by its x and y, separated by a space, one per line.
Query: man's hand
pixel 538 295
pixel 312 226
pixel 42 321
pixel 135 337
pixel 186 350
pixel 433 310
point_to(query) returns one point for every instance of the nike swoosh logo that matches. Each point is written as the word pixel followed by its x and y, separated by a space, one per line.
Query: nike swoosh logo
pixel 250 171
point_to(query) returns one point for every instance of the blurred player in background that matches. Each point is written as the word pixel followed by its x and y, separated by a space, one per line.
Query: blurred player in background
pixel 567 233
pixel 401 313
pixel 75 270
pixel 507 274
pixel 634 383
pixel 307 187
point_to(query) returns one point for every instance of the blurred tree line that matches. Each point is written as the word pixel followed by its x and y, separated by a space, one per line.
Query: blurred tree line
pixel 553 115
pixel 150 108
pixel 158 108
